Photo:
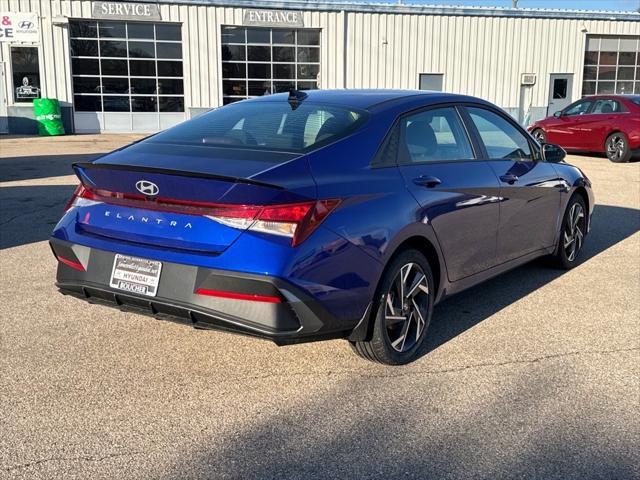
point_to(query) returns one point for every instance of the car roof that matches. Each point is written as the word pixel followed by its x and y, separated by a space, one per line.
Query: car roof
pixel 370 98
pixel 612 96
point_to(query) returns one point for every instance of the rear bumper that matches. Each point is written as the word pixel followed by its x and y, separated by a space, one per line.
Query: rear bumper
pixel 297 318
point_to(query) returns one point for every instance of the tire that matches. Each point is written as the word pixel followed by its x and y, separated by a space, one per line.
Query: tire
pixel 617 148
pixel 540 136
pixel 572 234
pixel 395 341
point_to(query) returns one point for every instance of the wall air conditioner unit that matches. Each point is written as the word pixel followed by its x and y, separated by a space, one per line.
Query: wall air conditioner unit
pixel 528 79
pixel 60 21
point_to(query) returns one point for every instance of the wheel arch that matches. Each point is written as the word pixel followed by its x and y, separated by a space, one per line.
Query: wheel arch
pixel 426 247
pixel 416 241
pixel 582 192
pixel 608 134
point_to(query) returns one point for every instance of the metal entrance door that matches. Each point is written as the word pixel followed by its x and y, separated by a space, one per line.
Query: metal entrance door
pixel 560 89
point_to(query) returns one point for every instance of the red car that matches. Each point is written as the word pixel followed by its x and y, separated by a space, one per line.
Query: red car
pixel 607 124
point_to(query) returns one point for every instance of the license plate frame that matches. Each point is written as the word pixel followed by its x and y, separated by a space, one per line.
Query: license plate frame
pixel 135 275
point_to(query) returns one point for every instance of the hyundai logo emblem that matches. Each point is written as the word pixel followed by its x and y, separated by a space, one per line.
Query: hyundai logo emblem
pixel 147 188
pixel 25 25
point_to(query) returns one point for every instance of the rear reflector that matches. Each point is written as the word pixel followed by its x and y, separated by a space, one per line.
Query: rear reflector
pixel 238 296
pixel 71 263
pixel 294 220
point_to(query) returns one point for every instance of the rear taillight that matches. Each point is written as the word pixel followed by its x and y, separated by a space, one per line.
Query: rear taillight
pixel 82 197
pixel 297 220
pixel 294 220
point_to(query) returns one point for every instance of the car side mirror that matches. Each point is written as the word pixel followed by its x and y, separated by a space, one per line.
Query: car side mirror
pixel 558 114
pixel 553 153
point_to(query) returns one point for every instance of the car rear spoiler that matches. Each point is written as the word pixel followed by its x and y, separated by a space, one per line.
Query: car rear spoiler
pixel 168 171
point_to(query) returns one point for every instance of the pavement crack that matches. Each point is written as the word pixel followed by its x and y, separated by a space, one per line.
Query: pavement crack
pixel 531 360
pixel 86 458
pixel 461 368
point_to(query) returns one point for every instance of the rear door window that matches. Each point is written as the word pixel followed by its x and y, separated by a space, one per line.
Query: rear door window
pixel 607 106
pixel 433 136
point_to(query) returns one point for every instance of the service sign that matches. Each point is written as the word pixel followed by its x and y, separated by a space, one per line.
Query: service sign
pixel 272 18
pixel 19 27
pixel 125 11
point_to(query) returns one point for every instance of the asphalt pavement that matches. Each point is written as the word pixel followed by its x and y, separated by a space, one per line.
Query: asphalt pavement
pixel 533 375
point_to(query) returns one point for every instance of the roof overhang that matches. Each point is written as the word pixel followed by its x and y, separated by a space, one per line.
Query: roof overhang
pixel 415 9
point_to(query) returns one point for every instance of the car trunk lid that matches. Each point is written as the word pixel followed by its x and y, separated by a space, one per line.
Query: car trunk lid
pixel 178 196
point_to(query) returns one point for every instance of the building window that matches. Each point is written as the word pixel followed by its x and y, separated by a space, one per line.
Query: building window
pixel 611 65
pixel 126 66
pixel 26 74
pixel 431 81
pixel 260 61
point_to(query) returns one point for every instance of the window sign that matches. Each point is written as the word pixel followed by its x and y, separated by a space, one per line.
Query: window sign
pixel 19 27
pixel 26 74
pixel 125 11
pixel 272 18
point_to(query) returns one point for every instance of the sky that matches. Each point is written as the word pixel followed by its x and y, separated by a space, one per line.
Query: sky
pixel 615 5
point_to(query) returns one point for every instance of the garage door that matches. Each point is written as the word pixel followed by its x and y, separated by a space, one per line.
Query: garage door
pixel 611 65
pixel 127 76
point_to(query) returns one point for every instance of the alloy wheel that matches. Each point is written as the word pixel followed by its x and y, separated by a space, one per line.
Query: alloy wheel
pixel 539 136
pixel 406 307
pixel 616 147
pixel 574 231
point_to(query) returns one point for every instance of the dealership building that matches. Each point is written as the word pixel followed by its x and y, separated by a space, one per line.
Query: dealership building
pixel 145 66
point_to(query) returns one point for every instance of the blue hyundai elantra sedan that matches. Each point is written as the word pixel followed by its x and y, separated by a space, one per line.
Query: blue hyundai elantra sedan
pixel 323 214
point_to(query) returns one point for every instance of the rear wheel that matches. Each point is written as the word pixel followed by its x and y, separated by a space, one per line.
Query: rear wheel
pixel 540 136
pixel 403 311
pixel 617 148
pixel 572 233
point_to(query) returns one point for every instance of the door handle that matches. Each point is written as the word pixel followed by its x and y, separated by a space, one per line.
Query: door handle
pixel 428 181
pixel 509 178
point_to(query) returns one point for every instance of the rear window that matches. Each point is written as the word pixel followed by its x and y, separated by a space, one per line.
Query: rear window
pixel 266 126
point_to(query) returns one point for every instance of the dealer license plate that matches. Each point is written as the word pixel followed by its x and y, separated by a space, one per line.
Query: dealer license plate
pixel 136 275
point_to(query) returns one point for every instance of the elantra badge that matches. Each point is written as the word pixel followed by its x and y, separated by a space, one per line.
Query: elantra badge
pixel 147 188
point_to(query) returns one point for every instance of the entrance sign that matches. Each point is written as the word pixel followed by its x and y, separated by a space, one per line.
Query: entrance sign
pixel 19 27
pixel 273 18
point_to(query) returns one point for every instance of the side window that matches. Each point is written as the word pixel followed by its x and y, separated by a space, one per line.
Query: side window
pixel 314 123
pixel 500 137
pixel 607 106
pixel 579 108
pixel 433 136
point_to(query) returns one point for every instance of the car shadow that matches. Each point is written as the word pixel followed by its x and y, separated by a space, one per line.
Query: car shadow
pixel 40 166
pixel 407 425
pixel 610 225
pixel 360 424
pixel 29 213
